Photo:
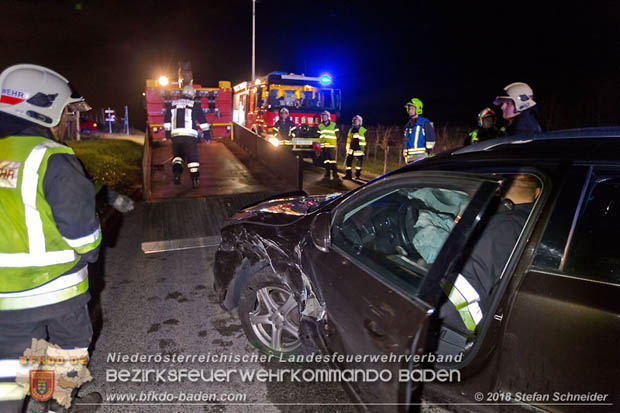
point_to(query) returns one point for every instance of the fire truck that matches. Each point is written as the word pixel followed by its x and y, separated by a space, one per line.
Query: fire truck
pixel 216 103
pixel 256 106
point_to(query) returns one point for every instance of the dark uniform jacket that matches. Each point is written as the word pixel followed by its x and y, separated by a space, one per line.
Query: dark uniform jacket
pixel 284 129
pixel 488 257
pixel 526 123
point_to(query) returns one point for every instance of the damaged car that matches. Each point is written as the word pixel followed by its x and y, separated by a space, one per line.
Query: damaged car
pixel 380 270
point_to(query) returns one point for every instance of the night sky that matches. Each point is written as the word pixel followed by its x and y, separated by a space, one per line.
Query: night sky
pixel 455 56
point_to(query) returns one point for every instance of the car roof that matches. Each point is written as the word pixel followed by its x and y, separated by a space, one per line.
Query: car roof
pixel 574 145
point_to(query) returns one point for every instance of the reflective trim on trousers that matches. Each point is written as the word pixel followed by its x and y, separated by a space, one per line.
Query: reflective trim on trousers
pixel 12 391
pixel 193 166
pixel 466 300
pixel 177 160
pixel 10 368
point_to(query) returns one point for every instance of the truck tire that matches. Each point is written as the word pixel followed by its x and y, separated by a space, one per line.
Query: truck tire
pixel 269 314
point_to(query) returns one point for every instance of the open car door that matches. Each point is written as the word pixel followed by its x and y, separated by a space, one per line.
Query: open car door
pixel 379 260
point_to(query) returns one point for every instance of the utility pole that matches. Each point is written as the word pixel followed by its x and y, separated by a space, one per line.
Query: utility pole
pixel 253 40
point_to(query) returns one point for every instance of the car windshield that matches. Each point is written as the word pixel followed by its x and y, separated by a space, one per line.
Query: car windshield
pixel 303 97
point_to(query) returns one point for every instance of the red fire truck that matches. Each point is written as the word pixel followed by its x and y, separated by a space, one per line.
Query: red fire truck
pixel 256 106
pixel 216 103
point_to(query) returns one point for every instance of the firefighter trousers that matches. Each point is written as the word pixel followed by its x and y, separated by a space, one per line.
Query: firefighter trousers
pixel 67 331
pixel 349 165
pixel 329 160
pixel 185 148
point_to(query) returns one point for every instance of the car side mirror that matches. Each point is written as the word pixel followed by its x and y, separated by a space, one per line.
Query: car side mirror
pixel 320 231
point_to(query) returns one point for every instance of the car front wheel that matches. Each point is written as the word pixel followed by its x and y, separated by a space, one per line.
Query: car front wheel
pixel 269 314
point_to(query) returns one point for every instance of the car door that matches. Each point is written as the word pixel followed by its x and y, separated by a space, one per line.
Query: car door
pixel 382 274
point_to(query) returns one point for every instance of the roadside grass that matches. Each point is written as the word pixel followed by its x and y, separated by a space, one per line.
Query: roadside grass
pixel 112 162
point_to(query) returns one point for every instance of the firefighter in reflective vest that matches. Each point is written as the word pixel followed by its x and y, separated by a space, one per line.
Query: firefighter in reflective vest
pixel 180 122
pixel 49 230
pixel 356 147
pixel 328 140
pixel 284 128
pixel 419 133
pixel 486 128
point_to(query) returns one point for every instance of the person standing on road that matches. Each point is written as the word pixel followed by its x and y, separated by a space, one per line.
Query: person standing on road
pixel 284 127
pixel 419 133
pixel 356 147
pixel 328 132
pixel 180 122
pixel 49 230
pixel 486 128
pixel 517 106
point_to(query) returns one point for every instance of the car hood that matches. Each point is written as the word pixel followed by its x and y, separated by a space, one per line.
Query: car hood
pixel 284 209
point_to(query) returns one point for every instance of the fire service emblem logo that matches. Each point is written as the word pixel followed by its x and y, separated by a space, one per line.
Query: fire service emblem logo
pixel 41 384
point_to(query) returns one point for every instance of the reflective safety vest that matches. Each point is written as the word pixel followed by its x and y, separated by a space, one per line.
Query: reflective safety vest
pixel 356 142
pixel 33 253
pixel 327 135
pixel 415 141
pixel 180 119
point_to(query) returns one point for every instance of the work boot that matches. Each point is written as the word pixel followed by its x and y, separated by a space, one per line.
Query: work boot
pixel 347 175
pixel 326 176
pixel 335 174
pixel 195 181
pixel 88 403
pixel 177 179
pixel 357 174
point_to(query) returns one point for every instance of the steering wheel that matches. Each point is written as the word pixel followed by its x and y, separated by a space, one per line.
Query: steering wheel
pixel 407 216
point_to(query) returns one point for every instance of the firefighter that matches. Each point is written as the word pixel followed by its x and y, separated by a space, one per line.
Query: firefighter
pixel 486 128
pixel 517 106
pixel 419 133
pixel 327 137
pixel 180 123
pixel 468 299
pixel 356 147
pixel 49 230
pixel 284 127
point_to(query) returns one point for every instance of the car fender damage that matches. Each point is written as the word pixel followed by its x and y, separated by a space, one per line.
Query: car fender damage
pixel 253 252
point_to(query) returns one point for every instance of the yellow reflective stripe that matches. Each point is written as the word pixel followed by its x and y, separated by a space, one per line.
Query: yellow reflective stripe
pixel 12 391
pixel 184 132
pixel 466 301
pixel 33 301
pixel 417 135
pixel 56 284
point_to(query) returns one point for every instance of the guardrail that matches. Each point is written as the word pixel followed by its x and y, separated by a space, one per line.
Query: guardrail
pixel 146 167
pixel 279 160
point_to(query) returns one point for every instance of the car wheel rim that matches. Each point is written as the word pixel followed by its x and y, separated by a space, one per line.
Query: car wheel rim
pixel 275 319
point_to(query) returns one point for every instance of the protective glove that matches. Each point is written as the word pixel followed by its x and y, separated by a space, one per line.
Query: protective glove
pixel 122 203
pixel 206 135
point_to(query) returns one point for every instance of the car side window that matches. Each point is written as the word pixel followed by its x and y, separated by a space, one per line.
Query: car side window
pixel 397 232
pixel 594 251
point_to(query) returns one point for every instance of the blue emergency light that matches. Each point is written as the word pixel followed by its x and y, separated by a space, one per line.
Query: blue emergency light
pixel 325 79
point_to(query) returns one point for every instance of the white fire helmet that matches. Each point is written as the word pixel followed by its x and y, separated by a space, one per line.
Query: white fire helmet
pixel 188 92
pixel 36 94
pixel 520 93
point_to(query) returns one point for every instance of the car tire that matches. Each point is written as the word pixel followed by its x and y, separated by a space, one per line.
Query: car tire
pixel 269 313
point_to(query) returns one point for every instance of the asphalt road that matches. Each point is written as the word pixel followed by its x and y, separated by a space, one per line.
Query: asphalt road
pixel 164 304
